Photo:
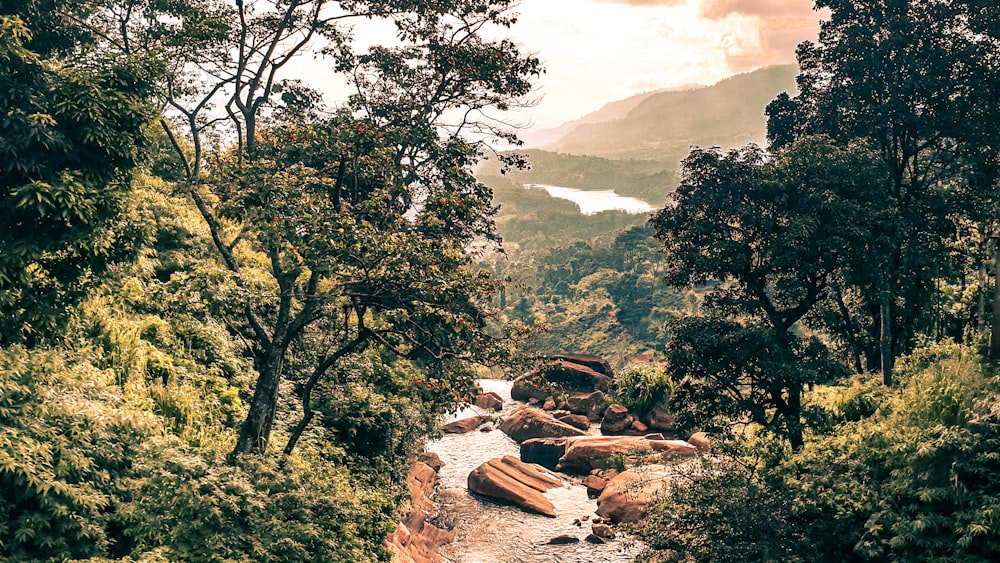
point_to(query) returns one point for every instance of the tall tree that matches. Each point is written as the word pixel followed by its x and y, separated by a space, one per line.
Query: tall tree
pixel 345 229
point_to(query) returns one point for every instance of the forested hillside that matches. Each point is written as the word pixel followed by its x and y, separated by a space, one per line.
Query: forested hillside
pixel 230 313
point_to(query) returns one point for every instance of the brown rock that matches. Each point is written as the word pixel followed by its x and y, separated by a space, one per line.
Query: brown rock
pixel 509 479
pixel 626 498
pixel 594 452
pixel 673 448
pixel 464 425
pixel 415 540
pixel 700 440
pixel 616 420
pixel 595 485
pixel 543 451
pixel 566 376
pixel 489 401
pixel 591 405
pixel 563 540
pixel 576 420
pixel 596 363
pixel 430 459
pixel 594 538
pixel 603 531
pixel 639 428
pixel 549 404
pixel 529 422
pixel 660 419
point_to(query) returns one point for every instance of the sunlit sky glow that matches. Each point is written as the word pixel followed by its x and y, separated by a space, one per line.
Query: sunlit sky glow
pixel 599 51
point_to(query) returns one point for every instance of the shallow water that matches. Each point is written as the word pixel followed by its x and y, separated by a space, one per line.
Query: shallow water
pixel 488 532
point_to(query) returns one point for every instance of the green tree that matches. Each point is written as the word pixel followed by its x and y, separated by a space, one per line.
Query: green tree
pixel 71 135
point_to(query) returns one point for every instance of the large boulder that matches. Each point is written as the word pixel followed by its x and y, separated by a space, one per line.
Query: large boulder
pixel 626 497
pixel 512 480
pixel 489 401
pixel 596 363
pixel 660 419
pixel 616 420
pixel 595 452
pixel 591 405
pixel 578 420
pixel 560 376
pixel 464 425
pixel 586 453
pixel 529 422
pixel 543 451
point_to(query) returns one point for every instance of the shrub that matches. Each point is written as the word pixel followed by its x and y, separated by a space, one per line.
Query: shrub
pixel 642 388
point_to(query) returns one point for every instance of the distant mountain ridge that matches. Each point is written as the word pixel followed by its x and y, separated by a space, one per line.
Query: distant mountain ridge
pixel 663 125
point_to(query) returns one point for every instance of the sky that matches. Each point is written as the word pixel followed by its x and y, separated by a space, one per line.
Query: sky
pixel 599 51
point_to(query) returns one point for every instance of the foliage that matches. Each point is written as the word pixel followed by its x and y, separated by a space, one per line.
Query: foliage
pixel 643 388
pixel 71 136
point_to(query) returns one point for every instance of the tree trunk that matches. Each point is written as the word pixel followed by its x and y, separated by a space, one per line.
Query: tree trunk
pixel 995 332
pixel 256 429
pixel 885 337
pixel 794 419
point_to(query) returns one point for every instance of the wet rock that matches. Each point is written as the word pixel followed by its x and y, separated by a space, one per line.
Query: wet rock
pixel 595 485
pixel 577 420
pixel 511 480
pixel 596 363
pixel 626 498
pixel 489 401
pixel 543 451
pixel 603 531
pixel 529 422
pixel 464 425
pixel 563 540
pixel 616 420
pixel 591 405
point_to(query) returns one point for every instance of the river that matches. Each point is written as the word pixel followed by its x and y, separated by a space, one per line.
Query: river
pixel 595 201
pixel 489 532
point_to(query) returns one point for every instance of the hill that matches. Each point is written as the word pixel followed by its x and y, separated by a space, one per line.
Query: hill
pixel 663 125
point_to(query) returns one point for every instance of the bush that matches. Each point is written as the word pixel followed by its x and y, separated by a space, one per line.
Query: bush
pixel 643 388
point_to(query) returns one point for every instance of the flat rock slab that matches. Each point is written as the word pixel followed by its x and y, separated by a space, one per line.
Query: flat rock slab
pixel 464 425
pixel 584 453
pixel 514 481
pixel 528 422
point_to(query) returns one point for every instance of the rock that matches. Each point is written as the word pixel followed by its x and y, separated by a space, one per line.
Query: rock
pixel 509 479
pixel 566 376
pixel 700 440
pixel 549 404
pixel 563 540
pixel 594 452
pixel 616 420
pixel 464 425
pixel 591 405
pixel 486 428
pixel 576 420
pixel 529 422
pixel 639 428
pixel 594 538
pixel 596 363
pixel 543 451
pixel 595 485
pixel 416 540
pixel 489 401
pixel 534 401
pixel 660 419
pixel 430 459
pixel 673 448
pixel 603 531
pixel 626 498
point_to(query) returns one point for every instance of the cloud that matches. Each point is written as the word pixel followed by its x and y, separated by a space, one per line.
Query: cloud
pixel 645 2
pixel 764 9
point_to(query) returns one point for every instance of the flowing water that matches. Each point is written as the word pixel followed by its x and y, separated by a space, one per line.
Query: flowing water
pixel 490 532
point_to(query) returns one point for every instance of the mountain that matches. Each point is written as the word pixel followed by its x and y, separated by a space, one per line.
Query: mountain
pixel 663 125
pixel 612 111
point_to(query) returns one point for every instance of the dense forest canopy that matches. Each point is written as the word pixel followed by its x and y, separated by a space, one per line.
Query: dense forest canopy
pixel 232 310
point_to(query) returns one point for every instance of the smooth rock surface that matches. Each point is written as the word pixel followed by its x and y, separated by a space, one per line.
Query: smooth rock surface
pixel 464 425
pixel 530 422
pixel 514 481
pixel 626 498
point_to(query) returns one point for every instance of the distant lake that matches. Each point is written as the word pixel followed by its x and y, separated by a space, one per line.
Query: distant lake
pixel 591 202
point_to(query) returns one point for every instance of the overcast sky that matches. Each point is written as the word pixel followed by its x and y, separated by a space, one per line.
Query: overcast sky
pixel 598 51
